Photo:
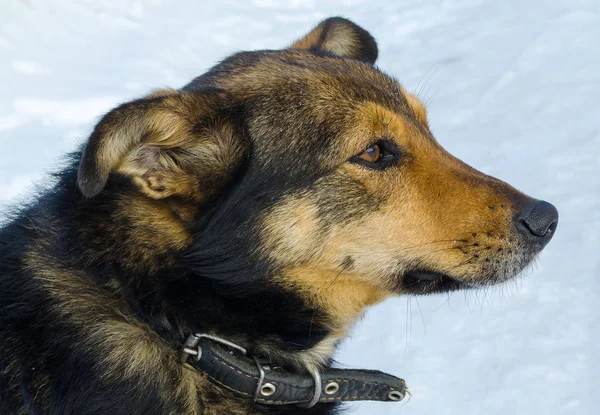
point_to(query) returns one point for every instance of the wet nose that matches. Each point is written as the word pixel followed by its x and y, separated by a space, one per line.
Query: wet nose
pixel 538 220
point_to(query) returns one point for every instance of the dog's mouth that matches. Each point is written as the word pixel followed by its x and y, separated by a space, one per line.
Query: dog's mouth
pixel 421 282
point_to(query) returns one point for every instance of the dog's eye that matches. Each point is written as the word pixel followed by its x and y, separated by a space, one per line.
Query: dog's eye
pixel 379 156
pixel 371 154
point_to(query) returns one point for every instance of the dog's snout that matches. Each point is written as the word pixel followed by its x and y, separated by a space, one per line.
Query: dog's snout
pixel 538 220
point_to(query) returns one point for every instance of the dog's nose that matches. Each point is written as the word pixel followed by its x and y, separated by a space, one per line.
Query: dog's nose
pixel 538 220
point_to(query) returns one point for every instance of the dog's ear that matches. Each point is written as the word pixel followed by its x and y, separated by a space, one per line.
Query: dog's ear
pixel 341 37
pixel 169 143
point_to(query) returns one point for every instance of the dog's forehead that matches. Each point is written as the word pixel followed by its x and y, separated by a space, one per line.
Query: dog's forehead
pixel 298 106
pixel 302 77
pixel 294 96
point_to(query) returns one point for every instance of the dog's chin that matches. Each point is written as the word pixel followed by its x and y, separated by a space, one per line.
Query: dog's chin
pixel 421 282
pixel 424 281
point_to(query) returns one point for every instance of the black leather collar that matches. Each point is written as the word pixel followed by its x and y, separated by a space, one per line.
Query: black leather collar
pixel 230 366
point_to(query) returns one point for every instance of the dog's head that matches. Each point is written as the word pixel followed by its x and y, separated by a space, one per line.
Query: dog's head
pixel 311 170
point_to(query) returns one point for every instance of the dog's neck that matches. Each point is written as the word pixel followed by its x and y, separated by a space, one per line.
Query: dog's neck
pixel 134 248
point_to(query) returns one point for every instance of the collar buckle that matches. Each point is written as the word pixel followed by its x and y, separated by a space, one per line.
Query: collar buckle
pixel 192 347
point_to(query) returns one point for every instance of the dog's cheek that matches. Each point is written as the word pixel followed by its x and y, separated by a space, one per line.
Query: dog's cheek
pixel 344 200
pixel 366 249
pixel 310 227
pixel 383 231
pixel 291 232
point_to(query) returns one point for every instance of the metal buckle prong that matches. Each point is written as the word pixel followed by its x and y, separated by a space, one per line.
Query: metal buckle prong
pixel 191 347
pixel 223 342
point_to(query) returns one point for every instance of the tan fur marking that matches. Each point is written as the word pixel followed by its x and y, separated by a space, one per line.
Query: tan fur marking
pixel 310 40
pixel 292 231
pixel 344 294
pixel 417 106
pixel 155 221
pixel 373 122
pixel 293 228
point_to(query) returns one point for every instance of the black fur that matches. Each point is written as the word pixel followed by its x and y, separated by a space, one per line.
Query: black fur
pixel 214 289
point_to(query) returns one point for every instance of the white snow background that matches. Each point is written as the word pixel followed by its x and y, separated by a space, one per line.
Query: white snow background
pixel 513 88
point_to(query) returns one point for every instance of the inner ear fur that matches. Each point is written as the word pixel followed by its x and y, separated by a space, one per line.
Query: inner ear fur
pixel 169 143
pixel 340 37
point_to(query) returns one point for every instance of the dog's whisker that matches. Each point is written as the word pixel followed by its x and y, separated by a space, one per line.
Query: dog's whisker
pixel 406 326
pixel 421 313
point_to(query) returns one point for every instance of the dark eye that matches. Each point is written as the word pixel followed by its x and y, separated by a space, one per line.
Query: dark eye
pixel 371 154
pixel 378 156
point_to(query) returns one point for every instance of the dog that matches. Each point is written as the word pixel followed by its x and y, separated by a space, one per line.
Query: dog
pixel 249 217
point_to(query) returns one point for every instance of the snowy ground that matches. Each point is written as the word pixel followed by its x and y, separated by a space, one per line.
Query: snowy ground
pixel 513 89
